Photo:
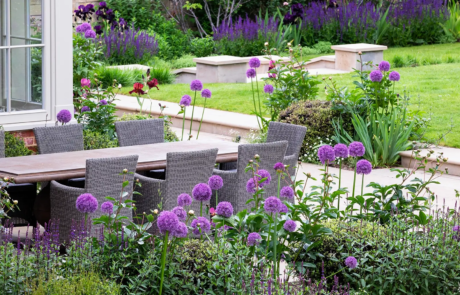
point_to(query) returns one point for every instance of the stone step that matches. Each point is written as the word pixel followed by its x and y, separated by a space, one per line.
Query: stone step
pixel 451 154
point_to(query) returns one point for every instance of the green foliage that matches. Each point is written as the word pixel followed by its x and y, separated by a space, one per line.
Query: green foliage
pixel 202 47
pixel 94 140
pixel 137 12
pixel 170 136
pixel 452 25
pixel 86 54
pixel 15 146
pixel 185 61
pixel 127 77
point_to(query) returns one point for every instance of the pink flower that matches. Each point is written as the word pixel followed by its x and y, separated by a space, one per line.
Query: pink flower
pixel 85 82
pixel 285 4
pixel 212 211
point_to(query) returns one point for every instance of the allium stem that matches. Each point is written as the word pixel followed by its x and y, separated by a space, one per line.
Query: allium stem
pixel 202 116
pixel 275 238
pixel 255 107
pixel 258 95
pixel 340 181
pixel 354 183
pixel 163 261
pixel 183 125
pixel 201 208
pixel 215 230
pixel 193 111
pixel 362 189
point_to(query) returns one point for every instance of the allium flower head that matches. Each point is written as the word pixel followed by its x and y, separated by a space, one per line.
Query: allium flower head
pixel 86 203
pixel 215 182
pixel 196 85
pixel 384 66
pixel 180 213
pixel 351 262
pixel 64 116
pixel 251 73
pixel 85 82
pixel 167 222
pixel 326 154
pixel 204 225
pixel 184 200
pixel 283 208
pixel 103 102
pixel 356 149
pixel 394 76
pixel 181 230
pixel 251 185
pixel 107 208
pixel 341 150
pixel 185 101
pixel 376 76
pixel 224 209
pixel 456 228
pixel 268 88
pixel 287 192
pixel 272 205
pixel 279 167
pixel 363 167
pixel 202 192
pixel 85 109
pixel 264 174
pixel 83 28
pixel 206 93
pixel 254 239
pixel 90 34
pixel 254 62
pixel 290 225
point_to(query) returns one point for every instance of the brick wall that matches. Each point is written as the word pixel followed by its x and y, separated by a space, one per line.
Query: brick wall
pixel 28 137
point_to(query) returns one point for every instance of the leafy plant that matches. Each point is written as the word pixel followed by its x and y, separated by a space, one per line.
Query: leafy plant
pixel 202 47
pixel 94 140
pixel 452 25
pixel 139 13
pixel 15 146
pixel 86 57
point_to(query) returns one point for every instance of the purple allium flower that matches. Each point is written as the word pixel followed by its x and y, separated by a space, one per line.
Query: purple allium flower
pixel 85 109
pixel 356 149
pixel 268 89
pixel 90 34
pixel 167 222
pixel 290 225
pixel 351 262
pixel 86 203
pixel 181 230
pixel 185 101
pixel 326 154
pixel 180 213
pixel 254 239
pixel 83 28
pixel 376 76
pixel 251 185
pixel 279 167
pixel 283 208
pixel 107 208
pixel 215 182
pixel 204 225
pixel 287 192
pixel 456 228
pixel 202 192
pixel 363 167
pixel 394 76
pixel 341 150
pixel 64 116
pixel 251 73
pixel 103 102
pixel 384 66
pixel 79 29
pixel 196 85
pixel 224 209
pixel 206 93
pixel 184 200
pixel 254 62
pixel 264 174
pixel 272 205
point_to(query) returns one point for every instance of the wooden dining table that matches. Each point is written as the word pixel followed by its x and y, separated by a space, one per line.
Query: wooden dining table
pixel 60 166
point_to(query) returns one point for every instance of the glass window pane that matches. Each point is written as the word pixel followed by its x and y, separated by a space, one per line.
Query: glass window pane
pixel 26 79
pixel 3 72
pixel 2 22
pixel 26 19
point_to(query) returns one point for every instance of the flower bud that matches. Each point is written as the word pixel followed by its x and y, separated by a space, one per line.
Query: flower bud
pixel 95 75
pixel 266 44
pixel 119 86
pixel 256 156
pixel 360 53
pixel 6 179
pixel 143 213
pixel 290 50
pixel 137 180
pixel 15 202
pixel 198 224
pixel 289 44
pixel 155 211
pixel 125 170
pixel 308 174
pixel 191 212
pixel 251 161
pixel 330 78
pixel 329 179
pixel 445 160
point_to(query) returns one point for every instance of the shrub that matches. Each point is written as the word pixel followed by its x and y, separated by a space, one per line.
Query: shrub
pixel 185 61
pixel 170 136
pixel 202 47
pixel 15 146
pixel 398 61
pixel 317 116
pixel 85 57
pixel 136 12
pixel 125 77
pixel 94 140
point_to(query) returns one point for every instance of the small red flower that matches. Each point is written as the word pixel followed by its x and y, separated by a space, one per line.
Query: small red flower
pixel 153 83
pixel 138 89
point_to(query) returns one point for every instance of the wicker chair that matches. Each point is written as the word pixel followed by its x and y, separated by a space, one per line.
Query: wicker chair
pixel 24 193
pixel 234 189
pixel 184 171
pixel 102 179
pixel 59 139
pixel 294 134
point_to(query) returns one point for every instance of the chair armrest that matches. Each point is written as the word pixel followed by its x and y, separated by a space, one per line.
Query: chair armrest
pixel 64 191
pixel 144 179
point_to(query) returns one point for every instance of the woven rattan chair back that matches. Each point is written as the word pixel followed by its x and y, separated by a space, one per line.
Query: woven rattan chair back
pixel 293 134
pixel 139 132
pixel 59 139
pixel 2 144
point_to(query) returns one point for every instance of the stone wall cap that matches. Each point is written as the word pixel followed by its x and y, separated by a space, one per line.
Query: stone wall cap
pixel 363 47
pixel 191 70
pixel 219 60
pixel 264 58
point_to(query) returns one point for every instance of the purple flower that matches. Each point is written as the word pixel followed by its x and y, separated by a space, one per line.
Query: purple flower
pixel 107 208
pixel 180 213
pixel 64 116
pixel 181 230
pixel 254 239
pixel 394 76
pixel 272 205
pixel 287 192
pixel 251 185
pixel 196 85
pixel 363 167
pixel 103 102
pixel 206 93
pixel 268 89
pixel 254 62
pixel 326 154
pixel 264 174
pixel 376 76
pixel 200 223
pixel 384 66
pixel 290 225
pixel 85 109
pixel 86 203
pixel 85 82
pixel 167 222
pixel 102 4
pixel 83 28
pixel 456 228
pixel 279 167
pixel 251 73
pixel 215 182
pixel 185 101
pixel 283 208
pixel 202 192
pixel 351 262
pixel 184 200
pixel 90 34
pixel 356 149
pixel 224 209
pixel 341 150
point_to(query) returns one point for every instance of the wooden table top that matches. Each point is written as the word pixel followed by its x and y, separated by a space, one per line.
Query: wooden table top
pixel 61 166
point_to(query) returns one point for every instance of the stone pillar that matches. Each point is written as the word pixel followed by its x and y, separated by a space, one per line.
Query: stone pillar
pixel 347 56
